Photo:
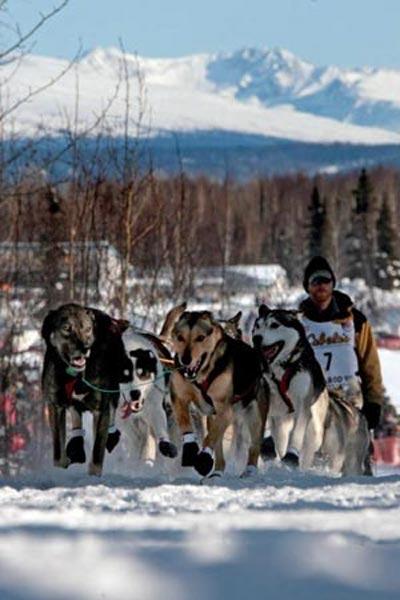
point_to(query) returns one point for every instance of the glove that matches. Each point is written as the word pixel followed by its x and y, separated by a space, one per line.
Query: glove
pixel 372 412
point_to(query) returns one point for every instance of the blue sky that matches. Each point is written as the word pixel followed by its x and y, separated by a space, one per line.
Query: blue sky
pixel 342 32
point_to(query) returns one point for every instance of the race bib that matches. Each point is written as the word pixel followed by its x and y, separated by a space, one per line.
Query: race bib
pixel 334 348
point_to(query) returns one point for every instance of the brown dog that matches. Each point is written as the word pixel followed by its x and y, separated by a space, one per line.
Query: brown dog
pixel 219 375
pixel 82 345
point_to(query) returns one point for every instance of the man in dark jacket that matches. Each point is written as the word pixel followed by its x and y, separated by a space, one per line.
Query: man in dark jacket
pixel 343 343
pixel 342 339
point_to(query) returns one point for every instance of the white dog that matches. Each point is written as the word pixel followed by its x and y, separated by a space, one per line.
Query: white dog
pixel 144 409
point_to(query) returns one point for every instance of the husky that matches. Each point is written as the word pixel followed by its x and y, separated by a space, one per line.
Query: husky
pixel 218 375
pixel 345 447
pixel 145 408
pixel 306 419
pixel 295 385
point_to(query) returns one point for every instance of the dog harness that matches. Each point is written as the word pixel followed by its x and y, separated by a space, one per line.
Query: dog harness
pixel 74 388
pixel 246 371
pixel 284 384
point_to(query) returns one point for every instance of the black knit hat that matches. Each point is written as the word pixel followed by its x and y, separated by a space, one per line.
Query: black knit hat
pixel 317 264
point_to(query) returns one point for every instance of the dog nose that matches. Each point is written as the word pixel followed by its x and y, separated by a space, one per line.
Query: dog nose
pixel 135 394
pixel 186 358
pixel 257 339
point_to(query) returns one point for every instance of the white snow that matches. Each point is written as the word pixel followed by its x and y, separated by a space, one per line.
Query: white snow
pixel 390 363
pixel 280 535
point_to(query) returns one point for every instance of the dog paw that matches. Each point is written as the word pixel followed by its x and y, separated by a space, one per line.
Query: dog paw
pixel 268 451
pixel 63 463
pixel 249 471
pixel 291 460
pixel 190 451
pixel 212 479
pixel 167 449
pixel 76 450
pixel 112 440
pixel 204 463
pixel 95 469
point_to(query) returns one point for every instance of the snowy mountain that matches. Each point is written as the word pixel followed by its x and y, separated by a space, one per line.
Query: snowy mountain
pixel 270 93
pixel 251 111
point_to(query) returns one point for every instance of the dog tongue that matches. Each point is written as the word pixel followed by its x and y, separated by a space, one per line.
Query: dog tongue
pixel 269 351
pixel 126 410
pixel 79 361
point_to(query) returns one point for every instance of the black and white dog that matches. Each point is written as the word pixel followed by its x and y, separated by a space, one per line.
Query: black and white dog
pixel 144 408
pixel 298 398
pixel 303 417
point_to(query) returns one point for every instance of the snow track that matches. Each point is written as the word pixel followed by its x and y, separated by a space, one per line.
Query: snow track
pixel 280 535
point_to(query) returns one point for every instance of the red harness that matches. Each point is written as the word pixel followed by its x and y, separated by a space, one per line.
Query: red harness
pixel 283 386
pixel 69 387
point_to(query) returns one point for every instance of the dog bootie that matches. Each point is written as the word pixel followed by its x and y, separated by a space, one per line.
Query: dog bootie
pixel 291 458
pixel 75 449
pixel 204 462
pixel 167 449
pixel 113 438
pixel 268 451
pixel 190 450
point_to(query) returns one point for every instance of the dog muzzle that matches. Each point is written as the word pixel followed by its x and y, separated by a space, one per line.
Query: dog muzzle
pixel 192 371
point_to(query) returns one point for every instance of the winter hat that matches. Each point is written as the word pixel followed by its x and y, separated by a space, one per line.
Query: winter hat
pixel 318 267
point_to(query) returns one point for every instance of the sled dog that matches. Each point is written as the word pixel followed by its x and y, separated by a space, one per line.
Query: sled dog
pixel 345 446
pixel 82 345
pixel 145 407
pixel 298 397
pixel 218 375
pixel 304 418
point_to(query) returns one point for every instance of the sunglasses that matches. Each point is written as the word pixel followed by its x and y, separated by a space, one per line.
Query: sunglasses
pixel 319 280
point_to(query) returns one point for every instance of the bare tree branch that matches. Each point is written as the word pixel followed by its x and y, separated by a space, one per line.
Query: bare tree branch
pixel 24 37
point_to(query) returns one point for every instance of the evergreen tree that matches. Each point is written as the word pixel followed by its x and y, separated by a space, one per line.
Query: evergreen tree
pixel 387 262
pixel 362 235
pixel 317 222
pixel 362 193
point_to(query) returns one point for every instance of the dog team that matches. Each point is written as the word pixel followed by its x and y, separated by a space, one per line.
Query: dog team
pixel 311 378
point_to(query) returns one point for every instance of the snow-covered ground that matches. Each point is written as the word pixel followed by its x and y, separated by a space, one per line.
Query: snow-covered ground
pixel 281 535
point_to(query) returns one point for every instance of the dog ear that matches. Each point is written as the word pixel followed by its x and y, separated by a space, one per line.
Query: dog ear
pixel 102 322
pixel 121 325
pixel 263 311
pixel 207 315
pixel 48 325
pixel 172 317
pixel 236 319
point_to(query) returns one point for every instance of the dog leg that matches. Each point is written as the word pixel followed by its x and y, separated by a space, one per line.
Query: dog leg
pixel 57 422
pixel 314 435
pixel 100 431
pixel 281 428
pixel 158 420
pixel 114 434
pixel 254 423
pixel 313 441
pixel 75 447
pixel 296 440
pixel 190 447
pixel 357 450
pixel 213 441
